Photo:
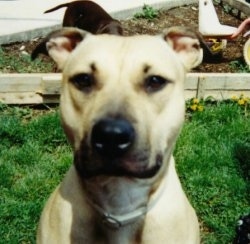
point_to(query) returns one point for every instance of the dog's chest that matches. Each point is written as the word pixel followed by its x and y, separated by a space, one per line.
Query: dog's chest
pixel 118 196
pixel 127 235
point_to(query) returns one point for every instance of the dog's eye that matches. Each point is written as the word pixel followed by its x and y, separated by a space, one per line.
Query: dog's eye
pixel 155 83
pixel 83 82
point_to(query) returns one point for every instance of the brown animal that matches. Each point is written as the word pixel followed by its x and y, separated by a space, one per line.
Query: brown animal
pixel 85 15
pixel 89 16
pixel 122 107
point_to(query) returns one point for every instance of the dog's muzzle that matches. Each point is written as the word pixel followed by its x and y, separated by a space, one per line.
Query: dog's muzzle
pixel 112 138
pixel 110 150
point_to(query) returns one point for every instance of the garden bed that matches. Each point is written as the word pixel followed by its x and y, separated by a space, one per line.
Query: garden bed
pixel 221 78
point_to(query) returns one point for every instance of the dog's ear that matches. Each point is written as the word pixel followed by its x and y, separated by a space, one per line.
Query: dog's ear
pixel 59 44
pixel 186 43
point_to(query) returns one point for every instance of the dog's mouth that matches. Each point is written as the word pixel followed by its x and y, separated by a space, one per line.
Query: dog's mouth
pixel 136 167
pixel 110 149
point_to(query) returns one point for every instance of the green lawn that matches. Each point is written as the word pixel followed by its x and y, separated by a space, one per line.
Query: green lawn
pixel 212 155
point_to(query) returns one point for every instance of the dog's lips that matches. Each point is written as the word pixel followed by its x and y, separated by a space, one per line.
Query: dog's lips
pixel 130 166
pixel 140 169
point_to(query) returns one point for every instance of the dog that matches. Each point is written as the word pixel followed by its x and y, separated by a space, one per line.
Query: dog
pixel 122 108
pixel 89 16
pixel 85 15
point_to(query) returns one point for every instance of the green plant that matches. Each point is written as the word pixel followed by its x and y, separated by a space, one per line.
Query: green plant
pixel 148 12
pixel 243 101
pixel 239 66
pixel 227 8
pixel 195 105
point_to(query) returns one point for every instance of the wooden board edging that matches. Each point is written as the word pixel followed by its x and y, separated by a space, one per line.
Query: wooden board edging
pixel 45 88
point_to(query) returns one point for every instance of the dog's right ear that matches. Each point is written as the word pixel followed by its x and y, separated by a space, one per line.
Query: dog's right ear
pixel 187 45
pixel 59 44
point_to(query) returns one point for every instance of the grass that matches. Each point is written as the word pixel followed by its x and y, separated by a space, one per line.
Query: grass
pixel 22 63
pixel 212 155
pixel 211 170
pixel 34 156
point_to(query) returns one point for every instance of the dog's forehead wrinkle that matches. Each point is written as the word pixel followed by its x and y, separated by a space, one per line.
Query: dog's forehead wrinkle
pixel 93 67
pixel 146 68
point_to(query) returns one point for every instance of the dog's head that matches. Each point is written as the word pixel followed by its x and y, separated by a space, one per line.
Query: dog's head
pixel 122 102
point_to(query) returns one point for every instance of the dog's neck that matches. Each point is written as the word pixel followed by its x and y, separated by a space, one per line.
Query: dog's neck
pixel 127 215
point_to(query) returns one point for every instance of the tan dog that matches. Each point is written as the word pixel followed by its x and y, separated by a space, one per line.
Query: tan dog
pixel 122 108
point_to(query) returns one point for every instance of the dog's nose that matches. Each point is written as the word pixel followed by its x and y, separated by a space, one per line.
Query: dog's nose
pixel 112 137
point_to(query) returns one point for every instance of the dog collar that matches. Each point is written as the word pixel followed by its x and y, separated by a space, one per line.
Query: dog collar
pixel 117 221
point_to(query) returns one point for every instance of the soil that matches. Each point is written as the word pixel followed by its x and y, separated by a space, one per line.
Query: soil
pixel 181 16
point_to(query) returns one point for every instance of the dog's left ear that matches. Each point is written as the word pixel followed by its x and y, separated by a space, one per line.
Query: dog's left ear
pixel 186 43
pixel 59 44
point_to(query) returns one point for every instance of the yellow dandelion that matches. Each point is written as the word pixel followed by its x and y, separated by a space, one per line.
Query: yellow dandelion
pixel 195 101
pixel 200 108
pixel 246 99
pixel 235 98
pixel 241 101
pixel 194 107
